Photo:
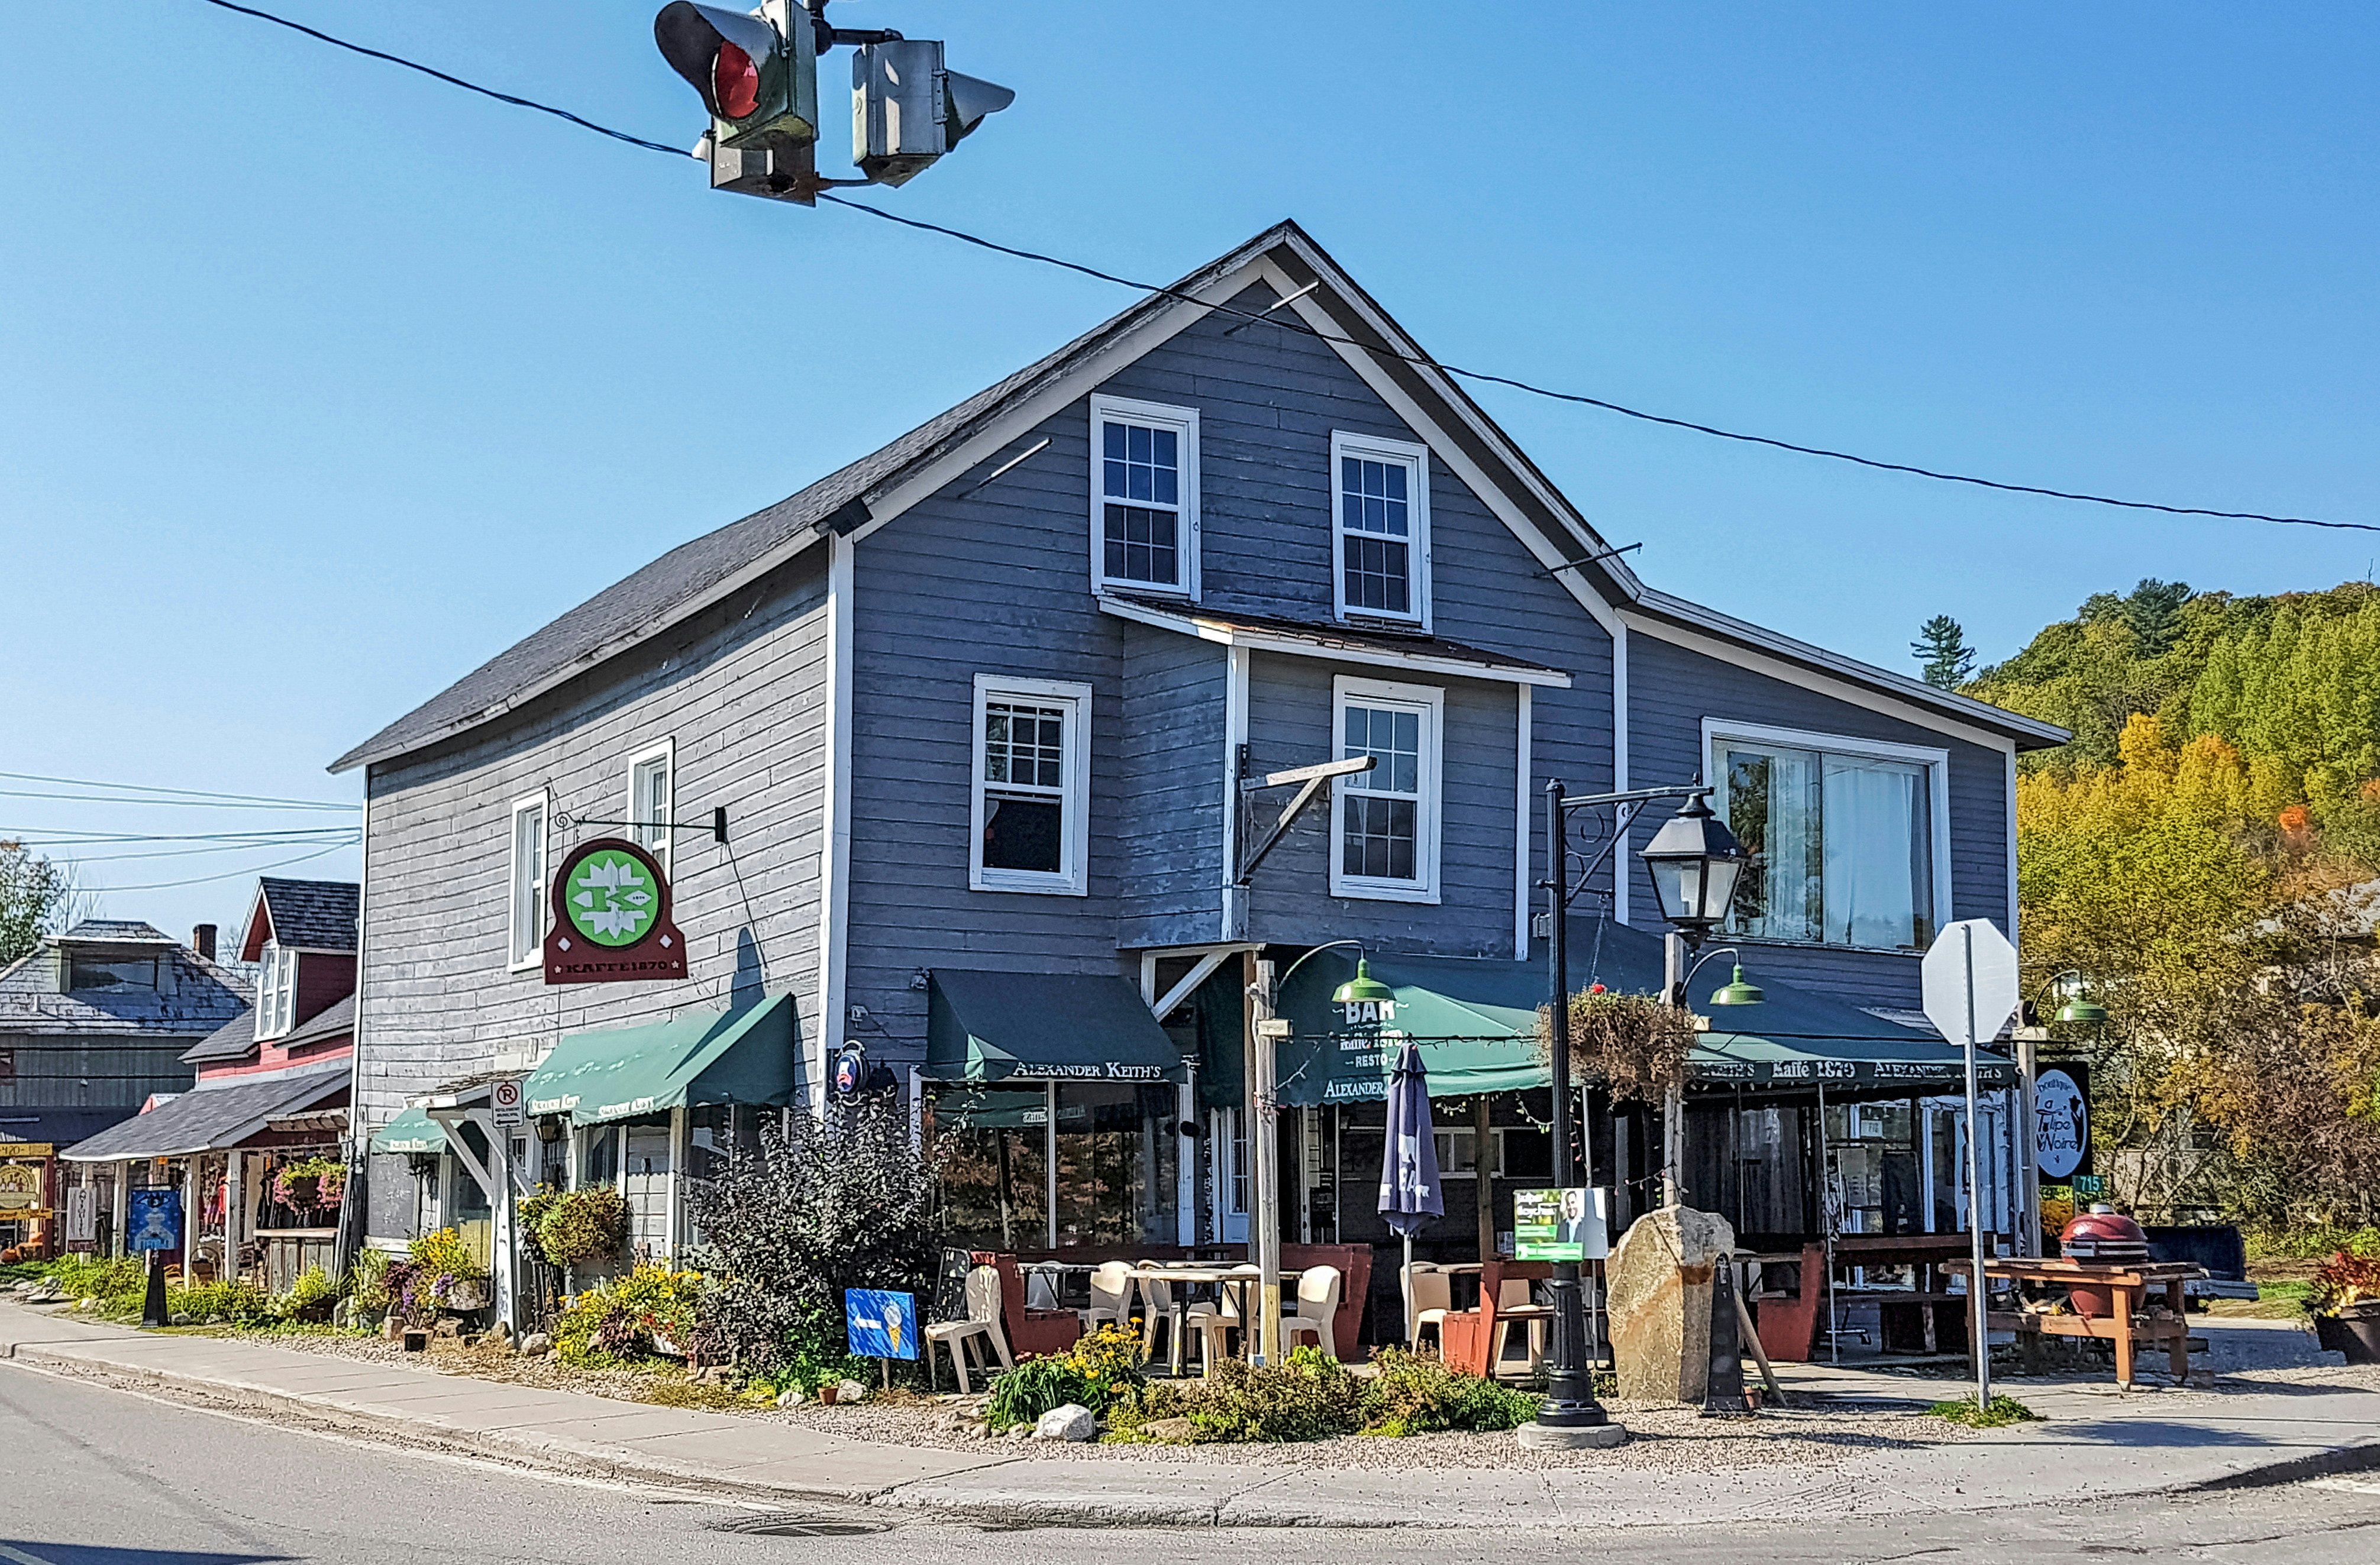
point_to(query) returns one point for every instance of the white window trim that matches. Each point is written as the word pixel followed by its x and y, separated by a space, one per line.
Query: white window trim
pixel 542 800
pixel 1072 876
pixel 1936 760
pixel 1416 458
pixel 666 753
pixel 1429 790
pixel 1184 421
pixel 276 998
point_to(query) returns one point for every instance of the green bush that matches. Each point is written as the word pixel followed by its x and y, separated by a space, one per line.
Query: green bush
pixel 310 1298
pixel 218 1303
pixel 617 1322
pixel 120 1286
pixel 2313 1244
pixel 1412 1395
pixel 1310 1398
pixel 1094 1373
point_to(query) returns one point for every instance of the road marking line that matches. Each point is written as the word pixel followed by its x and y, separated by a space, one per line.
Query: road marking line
pixel 18 1556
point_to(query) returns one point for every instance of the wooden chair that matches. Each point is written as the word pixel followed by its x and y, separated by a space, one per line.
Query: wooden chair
pixel 1514 1308
pixel 981 1325
pixel 1429 1294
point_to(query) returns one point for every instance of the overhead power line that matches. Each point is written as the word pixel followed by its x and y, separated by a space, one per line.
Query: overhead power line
pixel 228 874
pixel 178 792
pixel 41 838
pixel 1380 350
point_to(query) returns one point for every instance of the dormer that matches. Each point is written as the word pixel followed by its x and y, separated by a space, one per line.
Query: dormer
pixel 301 935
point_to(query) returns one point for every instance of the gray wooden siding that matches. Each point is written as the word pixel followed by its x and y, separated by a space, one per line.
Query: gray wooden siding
pixel 1672 689
pixel 997 580
pixel 742 692
pixel 1170 751
pixel 92 1073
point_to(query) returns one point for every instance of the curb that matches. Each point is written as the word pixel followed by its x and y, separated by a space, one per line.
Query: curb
pixel 2361 1457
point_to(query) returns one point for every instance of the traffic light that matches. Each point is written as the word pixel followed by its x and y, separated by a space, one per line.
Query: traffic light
pixel 757 73
pixel 908 109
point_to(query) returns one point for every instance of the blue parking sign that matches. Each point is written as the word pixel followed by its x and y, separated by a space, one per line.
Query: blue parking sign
pixel 153 1219
pixel 881 1325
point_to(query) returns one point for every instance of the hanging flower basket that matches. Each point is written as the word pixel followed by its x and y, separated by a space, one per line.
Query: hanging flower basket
pixel 1634 1044
pixel 310 1185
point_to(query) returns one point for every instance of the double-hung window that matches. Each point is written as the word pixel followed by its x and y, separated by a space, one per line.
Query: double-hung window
pixel 1031 820
pixel 652 794
pixel 276 991
pixel 1380 529
pixel 1851 837
pixel 524 937
pixel 1143 496
pixel 1384 821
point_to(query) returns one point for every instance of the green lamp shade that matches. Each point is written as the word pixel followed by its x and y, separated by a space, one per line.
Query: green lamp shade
pixel 1362 988
pixel 1735 992
pixel 2082 1012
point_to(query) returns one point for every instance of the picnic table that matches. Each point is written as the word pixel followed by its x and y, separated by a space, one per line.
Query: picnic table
pixel 1182 1276
pixel 2128 1286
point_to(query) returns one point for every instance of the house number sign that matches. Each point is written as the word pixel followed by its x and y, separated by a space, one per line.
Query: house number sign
pixel 611 917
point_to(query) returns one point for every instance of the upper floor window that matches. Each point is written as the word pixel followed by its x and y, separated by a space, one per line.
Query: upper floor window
pixel 1849 835
pixel 1384 821
pixel 652 795
pixel 525 940
pixel 1143 496
pixel 1030 819
pixel 1380 529
pixel 110 973
pixel 276 991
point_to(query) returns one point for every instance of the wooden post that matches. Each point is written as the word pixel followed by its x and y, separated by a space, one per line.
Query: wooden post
pixel 1264 1151
pixel 1482 1163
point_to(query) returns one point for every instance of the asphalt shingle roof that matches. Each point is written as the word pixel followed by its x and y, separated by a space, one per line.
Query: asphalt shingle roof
pixel 208 1117
pixel 115 931
pixel 197 999
pixel 236 1040
pixel 312 915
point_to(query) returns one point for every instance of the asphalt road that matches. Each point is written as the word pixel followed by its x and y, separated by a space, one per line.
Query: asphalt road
pixel 95 1476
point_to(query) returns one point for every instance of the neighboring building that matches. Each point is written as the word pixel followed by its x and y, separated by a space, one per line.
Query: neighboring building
pixel 978 709
pixel 96 1022
pixel 271 1090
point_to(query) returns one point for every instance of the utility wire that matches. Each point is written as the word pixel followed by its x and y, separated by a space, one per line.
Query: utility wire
pixel 143 799
pixel 1380 350
pixel 290 838
pixel 182 793
pixel 226 875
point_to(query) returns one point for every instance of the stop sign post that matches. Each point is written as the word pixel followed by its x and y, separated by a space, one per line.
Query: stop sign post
pixel 1970 985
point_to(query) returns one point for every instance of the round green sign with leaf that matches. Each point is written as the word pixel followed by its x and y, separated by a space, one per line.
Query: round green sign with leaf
pixel 611 898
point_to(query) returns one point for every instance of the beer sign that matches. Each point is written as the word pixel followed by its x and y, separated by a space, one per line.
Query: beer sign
pixel 612 917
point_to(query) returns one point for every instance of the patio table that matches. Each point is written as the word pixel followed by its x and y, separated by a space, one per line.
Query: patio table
pixel 1186 1275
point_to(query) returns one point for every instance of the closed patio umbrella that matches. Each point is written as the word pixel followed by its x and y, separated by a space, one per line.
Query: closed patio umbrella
pixel 1410 1195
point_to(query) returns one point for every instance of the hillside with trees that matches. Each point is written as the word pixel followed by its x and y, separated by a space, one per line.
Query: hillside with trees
pixel 2206 853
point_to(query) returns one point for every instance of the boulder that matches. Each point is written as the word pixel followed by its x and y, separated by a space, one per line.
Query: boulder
pixel 1072 1422
pixel 1018 1432
pixel 1659 1296
pixel 1171 1431
pixel 537 1344
pixel 849 1392
pixel 790 1397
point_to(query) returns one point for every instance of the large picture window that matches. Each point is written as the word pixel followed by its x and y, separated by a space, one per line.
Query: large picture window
pixel 1848 834
pixel 1384 821
pixel 1380 529
pixel 1032 786
pixel 1143 496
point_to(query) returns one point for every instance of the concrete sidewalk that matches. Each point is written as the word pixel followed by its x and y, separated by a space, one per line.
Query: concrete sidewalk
pixel 2094 1445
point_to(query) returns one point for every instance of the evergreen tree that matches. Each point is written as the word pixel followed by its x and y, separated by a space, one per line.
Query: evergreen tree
pixel 1941 647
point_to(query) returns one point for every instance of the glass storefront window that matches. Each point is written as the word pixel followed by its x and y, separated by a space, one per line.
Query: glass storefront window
pixel 995 1169
pixel 1117 1152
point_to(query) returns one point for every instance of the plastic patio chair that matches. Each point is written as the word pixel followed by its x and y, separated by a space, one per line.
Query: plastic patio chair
pixel 1111 1296
pixel 1429 1294
pixel 1515 1308
pixel 1317 1309
pixel 981 1325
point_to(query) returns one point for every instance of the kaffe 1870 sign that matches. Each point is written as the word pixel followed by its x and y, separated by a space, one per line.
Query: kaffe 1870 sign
pixel 612 917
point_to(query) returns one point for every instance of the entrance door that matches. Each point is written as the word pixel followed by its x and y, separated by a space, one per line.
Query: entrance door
pixel 645 1181
pixel 1945 1199
pixel 1227 1135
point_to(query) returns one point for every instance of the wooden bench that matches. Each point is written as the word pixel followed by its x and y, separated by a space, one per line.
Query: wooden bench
pixel 2130 1288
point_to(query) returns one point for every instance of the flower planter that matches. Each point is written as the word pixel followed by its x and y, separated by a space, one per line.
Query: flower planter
pixel 465 1297
pixel 2354 1331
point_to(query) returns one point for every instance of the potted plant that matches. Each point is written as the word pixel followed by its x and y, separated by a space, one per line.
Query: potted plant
pixel 308 1184
pixel 2346 1307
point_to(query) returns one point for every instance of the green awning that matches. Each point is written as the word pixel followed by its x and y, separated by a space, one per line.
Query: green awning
pixel 413 1131
pixel 1476 1024
pixel 1043 1027
pixel 740 1055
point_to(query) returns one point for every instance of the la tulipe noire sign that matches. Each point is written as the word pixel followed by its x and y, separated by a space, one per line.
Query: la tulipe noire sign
pixel 611 917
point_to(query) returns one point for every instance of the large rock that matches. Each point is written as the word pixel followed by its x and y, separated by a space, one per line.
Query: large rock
pixel 1072 1422
pixel 1659 1295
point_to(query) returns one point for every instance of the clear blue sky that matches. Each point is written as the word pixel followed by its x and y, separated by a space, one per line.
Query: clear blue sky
pixel 320 382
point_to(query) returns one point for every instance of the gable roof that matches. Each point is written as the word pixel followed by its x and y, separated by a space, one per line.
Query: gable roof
pixel 115 931
pixel 303 915
pixel 696 575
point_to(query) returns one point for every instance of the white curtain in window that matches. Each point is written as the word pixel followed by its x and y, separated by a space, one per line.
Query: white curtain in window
pixel 1876 826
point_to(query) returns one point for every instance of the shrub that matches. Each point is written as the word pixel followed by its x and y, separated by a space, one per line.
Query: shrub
pixel 844 1204
pixel 2344 1280
pixel 310 1298
pixel 2313 1244
pixel 120 1286
pixel 218 1303
pixel 1093 1372
pixel 618 1321
pixel 572 1228
pixel 2003 1411
pixel 1412 1395
pixel 1309 1398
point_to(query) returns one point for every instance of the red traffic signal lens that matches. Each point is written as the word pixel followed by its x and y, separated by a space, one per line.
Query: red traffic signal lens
pixel 735 82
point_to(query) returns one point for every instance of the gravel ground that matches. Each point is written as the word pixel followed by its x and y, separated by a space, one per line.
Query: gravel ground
pixel 1667 1439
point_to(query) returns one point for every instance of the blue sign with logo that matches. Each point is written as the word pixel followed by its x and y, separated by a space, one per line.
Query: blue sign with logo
pixel 153 1219
pixel 881 1325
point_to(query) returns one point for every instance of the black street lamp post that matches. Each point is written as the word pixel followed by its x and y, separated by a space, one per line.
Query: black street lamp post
pixel 1571 1417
